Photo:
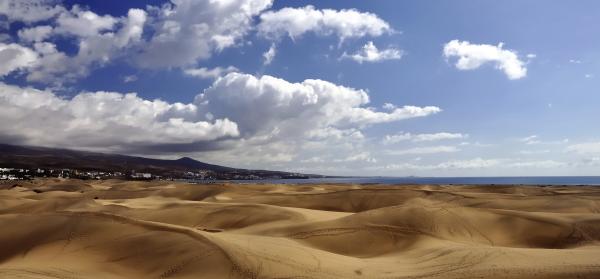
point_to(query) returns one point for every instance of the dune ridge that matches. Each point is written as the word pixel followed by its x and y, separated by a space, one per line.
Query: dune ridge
pixel 54 228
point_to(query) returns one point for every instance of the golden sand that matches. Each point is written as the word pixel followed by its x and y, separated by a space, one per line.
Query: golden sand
pixel 123 229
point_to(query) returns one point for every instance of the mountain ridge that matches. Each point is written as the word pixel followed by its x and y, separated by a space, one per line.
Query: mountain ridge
pixel 18 156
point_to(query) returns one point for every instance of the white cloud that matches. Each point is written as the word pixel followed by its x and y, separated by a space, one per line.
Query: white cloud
pixel 333 133
pixel 477 163
pixel 370 53
pixel 83 23
pixel 29 11
pixel 439 136
pixel 388 106
pixel 534 139
pixel 253 154
pixel 133 27
pixel 425 150
pixel 360 157
pixel 263 120
pixel 186 31
pixel 390 139
pixel 295 22
pixel 14 57
pixel 534 152
pixel 269 55
pixel 585 148
pixel 588 75
pixel 575 61
pixel 472 56
pixel 54 66
pixel 469 164
pixel 99 43
pixel 130 78
pixel 104 120
pixel 294 108
pixel 180 33
pixel 35 34
pixel 530 140
pixel 312 118
pixel 475 144
pixel 537 164
pixel 207 73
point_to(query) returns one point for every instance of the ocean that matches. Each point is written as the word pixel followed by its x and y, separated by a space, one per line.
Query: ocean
pixel 525 180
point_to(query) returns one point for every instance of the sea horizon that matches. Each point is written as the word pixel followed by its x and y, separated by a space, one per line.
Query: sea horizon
pixel 467 180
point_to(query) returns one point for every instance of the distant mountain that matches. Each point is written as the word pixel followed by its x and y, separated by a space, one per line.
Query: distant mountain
pixel 43 157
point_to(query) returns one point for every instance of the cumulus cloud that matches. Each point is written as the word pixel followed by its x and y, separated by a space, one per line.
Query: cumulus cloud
pixel 179 33
pixel 250 115
pixel 104 120
pixel 35 34
pixel 207 73
pixel 280 121
pixel 269 55
pixel 83 23
pixel 294 108
pixel 294 22
pixel 29 11
pixel 370 53
pixel 472 56
pixel 424 150
pixel 186 31
pixel 15 57
pixel 133 27
pixel 98 40
pixel 389 139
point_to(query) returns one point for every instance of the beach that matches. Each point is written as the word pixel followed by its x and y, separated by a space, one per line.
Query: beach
pixel 68 228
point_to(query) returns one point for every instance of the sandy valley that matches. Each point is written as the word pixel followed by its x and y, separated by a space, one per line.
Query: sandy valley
pixel 122 229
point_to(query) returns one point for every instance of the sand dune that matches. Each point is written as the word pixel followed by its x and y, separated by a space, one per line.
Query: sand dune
pixel 121 229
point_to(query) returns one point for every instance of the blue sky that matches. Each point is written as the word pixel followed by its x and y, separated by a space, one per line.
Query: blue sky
pixel 454 88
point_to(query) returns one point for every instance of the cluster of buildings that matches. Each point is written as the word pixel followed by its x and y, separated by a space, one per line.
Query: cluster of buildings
pixel 26 174
pixel 19 173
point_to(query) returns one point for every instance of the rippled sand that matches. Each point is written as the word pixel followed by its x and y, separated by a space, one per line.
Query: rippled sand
pixel 123 229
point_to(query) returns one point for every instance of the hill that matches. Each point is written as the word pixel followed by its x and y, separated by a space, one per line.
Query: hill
pixel 29 157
